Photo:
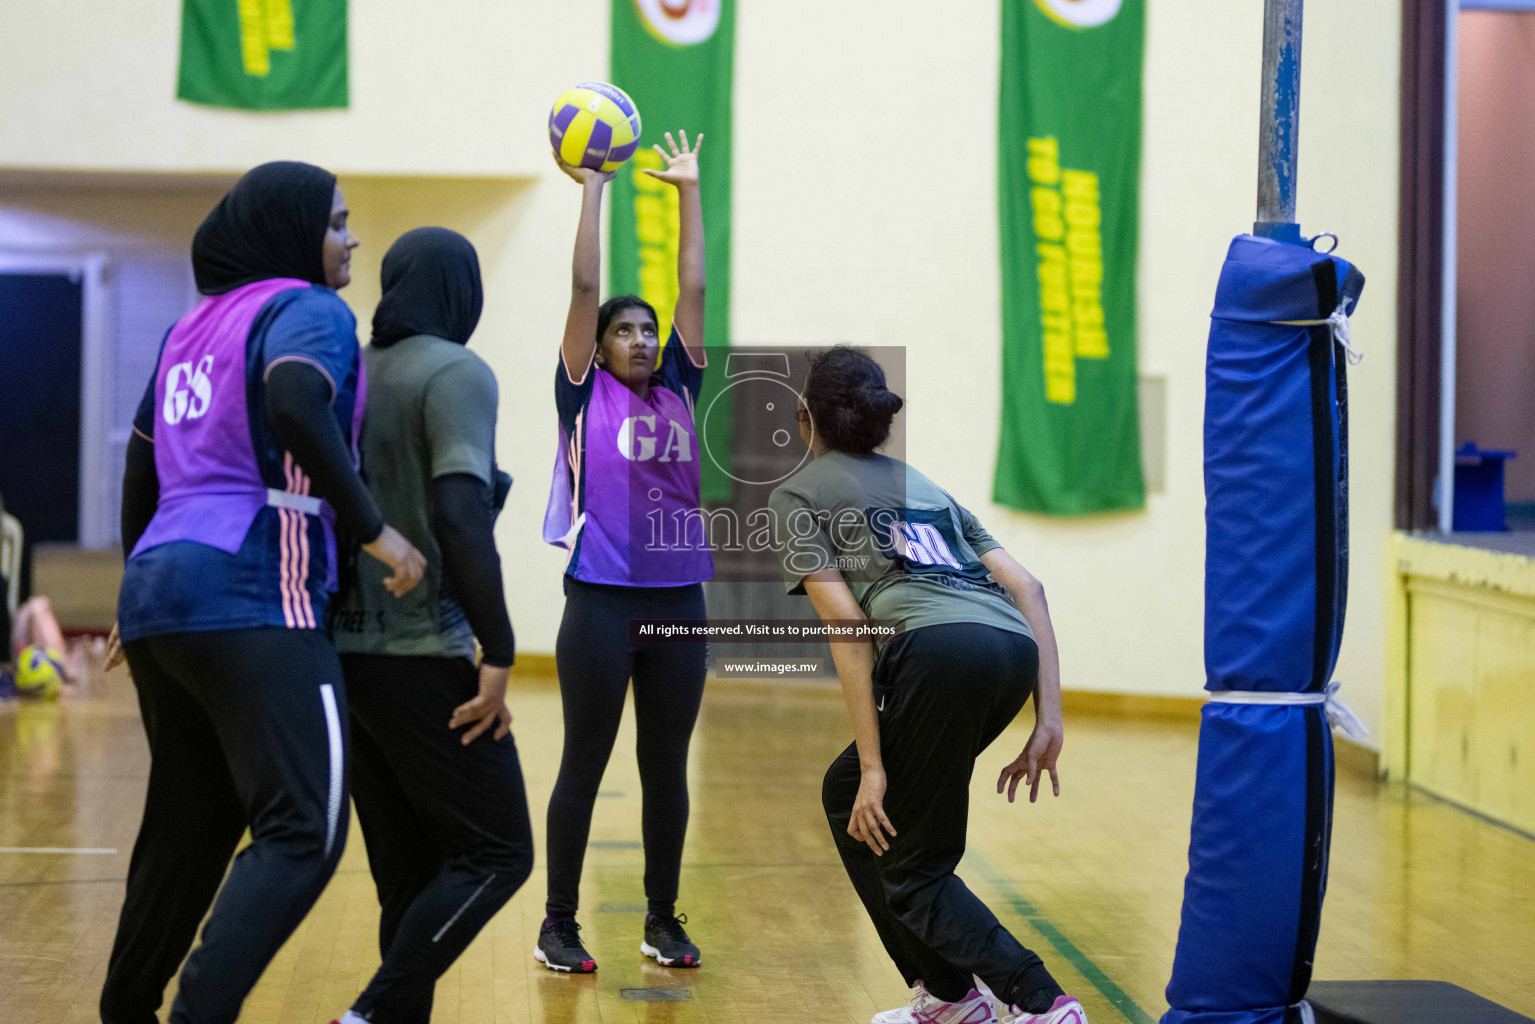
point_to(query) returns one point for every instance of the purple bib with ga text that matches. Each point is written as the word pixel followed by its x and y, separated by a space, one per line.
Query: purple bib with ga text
pixel 639 472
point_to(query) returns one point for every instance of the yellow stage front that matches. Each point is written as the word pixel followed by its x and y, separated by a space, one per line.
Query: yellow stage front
pixel 1460 674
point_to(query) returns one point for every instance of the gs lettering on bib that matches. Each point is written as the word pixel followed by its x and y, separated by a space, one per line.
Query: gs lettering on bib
pixel 188 391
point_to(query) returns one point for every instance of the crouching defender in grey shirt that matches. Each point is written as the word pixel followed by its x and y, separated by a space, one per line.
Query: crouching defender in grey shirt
pixel 976 642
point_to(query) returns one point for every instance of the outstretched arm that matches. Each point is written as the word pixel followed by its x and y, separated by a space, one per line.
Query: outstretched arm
pixel 832 599
pixel 580 341
pixel 1044 747
pixel 682 172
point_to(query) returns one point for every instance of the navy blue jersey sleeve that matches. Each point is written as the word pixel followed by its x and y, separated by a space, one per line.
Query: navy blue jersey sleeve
pixel 677 372
pixel 313 326
pixel 144 418
pixel 571 396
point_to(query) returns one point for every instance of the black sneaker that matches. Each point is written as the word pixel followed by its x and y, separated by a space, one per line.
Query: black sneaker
pixel 559 947
pixel 667 944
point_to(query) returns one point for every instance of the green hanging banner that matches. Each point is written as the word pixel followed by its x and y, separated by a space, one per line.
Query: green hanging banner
pixel 676 60
pixel 1069 150
pixel 264 54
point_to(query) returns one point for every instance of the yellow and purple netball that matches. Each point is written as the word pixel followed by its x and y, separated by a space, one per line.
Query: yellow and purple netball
pixel 40 672
pixel 594 125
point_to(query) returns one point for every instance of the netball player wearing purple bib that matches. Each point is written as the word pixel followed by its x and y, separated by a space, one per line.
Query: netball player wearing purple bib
pixel 241 464
pixel 629 448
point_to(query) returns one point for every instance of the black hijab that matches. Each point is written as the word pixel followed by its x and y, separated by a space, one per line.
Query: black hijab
pixel 431 286
pixel 271 224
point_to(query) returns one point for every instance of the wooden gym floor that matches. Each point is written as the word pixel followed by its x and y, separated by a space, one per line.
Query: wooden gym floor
pixel 1092 881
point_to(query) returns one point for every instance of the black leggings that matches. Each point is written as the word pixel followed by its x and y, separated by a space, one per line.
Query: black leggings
pixel 596 660
pixel 446 825
pixel 944 693
pixel 246 727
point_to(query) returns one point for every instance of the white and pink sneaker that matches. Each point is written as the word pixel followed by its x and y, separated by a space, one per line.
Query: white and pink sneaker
pixel 926 1008
pixel 903 1014
pixel 1065 1010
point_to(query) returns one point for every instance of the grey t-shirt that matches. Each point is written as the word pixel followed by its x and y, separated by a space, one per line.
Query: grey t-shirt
pixel 431 412
pixel 908 551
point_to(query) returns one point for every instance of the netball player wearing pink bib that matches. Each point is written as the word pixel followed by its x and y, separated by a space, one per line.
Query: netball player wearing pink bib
pixel 628 447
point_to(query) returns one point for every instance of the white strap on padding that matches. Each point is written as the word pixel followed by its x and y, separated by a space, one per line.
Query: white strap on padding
pixel 1338 322
pixel 1336 711
pixel 305 503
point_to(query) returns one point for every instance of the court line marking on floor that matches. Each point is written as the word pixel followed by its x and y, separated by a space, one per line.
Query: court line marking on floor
pixel 56 849
pixel 1064 946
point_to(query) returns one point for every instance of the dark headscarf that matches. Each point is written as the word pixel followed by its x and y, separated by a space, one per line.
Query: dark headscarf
pixel 431 286
pixel 271 224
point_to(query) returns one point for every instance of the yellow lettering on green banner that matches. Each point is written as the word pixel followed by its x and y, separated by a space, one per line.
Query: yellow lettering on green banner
pixel 265 25
pixel 1055 323
pixel 1044 161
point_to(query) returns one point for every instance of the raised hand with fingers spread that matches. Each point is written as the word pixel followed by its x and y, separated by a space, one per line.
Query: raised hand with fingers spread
pixel 681 163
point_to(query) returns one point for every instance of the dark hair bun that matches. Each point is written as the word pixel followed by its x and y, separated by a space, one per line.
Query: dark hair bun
pixel 850 406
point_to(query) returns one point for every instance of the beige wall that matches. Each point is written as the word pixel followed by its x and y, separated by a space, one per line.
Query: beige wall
pixel 865 211
pixel 901 249
pixel 437 88
pixel 1495 339
pixel 81 214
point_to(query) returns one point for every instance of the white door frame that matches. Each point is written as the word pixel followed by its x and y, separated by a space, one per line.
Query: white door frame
pixel 1449 281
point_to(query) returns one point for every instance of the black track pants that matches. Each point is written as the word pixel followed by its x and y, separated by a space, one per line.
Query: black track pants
pixel 946 692
pixel 449 840
pixel 596 661
pixel 247 728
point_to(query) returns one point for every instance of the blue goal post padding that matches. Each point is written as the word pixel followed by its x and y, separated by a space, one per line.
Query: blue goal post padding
pixel 1276 574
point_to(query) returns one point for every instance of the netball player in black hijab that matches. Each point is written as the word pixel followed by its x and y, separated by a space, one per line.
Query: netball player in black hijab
pixel 435 773
pixel 273 223
pixel 241 434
